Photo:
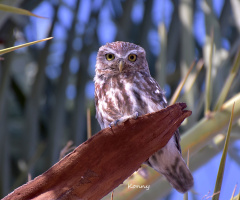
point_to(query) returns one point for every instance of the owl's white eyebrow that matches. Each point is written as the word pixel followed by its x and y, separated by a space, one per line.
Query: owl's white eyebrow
pixel 109 50
pixel 133 51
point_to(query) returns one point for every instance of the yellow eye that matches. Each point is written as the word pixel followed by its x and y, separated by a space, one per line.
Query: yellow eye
pixel 132 57
pixel 110 56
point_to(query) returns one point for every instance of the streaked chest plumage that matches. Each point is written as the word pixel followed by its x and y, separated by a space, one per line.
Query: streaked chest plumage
pixel 124 94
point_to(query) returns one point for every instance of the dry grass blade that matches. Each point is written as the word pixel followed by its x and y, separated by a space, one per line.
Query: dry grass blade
pixel 208 78
pixel 237 197
pixel 218 184
pixel 162 58
pixel 234 190
pixel 7 50
pixel 69 147
pixel 20 11
pixel 235 5
pixel 89 129
pixel 112 195
pixel 208 197
pixel 29 177
pixel 180 86
pixel 33 160
pixel 228 83
pixel 193 78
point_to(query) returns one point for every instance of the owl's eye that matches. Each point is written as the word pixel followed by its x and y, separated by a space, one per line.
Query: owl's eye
pixel 110 56
pixel 132 57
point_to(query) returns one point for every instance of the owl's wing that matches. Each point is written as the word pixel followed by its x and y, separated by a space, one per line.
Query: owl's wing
pixel 162 100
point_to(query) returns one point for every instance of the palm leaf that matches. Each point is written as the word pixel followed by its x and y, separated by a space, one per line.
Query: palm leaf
pixel 20 11
pixel 218 184
pixel 7 50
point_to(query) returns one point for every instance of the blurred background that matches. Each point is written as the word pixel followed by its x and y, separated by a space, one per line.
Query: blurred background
pixel 46 89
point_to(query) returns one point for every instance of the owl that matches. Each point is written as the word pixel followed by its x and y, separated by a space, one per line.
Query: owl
pixel 125 89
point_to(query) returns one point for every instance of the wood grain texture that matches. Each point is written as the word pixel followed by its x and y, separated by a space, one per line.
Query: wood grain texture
pixel 104 161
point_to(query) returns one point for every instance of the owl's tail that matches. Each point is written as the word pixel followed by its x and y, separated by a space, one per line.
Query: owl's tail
pixel 169 162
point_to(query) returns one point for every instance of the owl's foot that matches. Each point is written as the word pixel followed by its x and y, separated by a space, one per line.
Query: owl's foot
pixel 114 123
pixel 123 119
pixel 135 115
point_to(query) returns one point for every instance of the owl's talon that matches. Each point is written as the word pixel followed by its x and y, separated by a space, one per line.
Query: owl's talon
pixel 136 115
pixel 123 119
pixel 114 123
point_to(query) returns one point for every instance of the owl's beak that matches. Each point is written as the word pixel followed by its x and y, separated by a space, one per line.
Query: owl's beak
pixel 120 66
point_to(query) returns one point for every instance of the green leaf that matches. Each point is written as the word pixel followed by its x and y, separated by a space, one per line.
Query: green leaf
pixel 218 184
pixel 194 76
pixel 228 83
pixel 180 86
pixel 7 50
pixel 18 11
pixel 208 78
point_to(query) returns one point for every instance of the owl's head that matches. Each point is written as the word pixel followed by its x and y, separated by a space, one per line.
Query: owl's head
pixel 121 57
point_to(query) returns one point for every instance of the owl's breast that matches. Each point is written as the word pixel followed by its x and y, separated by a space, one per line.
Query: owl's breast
pixel 120 96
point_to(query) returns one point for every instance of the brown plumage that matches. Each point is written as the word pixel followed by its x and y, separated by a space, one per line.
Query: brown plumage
pixel 124 89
